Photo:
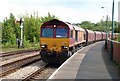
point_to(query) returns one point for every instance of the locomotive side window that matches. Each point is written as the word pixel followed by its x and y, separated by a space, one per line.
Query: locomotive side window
pixel 71 34
pixel 47 32
pixel 61 32
pixel 76 36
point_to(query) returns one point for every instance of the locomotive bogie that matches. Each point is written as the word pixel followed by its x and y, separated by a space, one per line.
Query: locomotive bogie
pixel 53 57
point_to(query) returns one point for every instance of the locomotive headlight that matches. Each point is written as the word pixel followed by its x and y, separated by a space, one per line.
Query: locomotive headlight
pixel 64 47
pixel 43 46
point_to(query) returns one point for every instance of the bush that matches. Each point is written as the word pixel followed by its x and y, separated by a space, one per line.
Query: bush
pixel 26 42
pixel 35 40
pixel 36 46
pixel 118 37
pixel 13 39
pixel 9 45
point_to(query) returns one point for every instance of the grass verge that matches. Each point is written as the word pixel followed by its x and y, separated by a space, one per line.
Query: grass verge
pixel 9 47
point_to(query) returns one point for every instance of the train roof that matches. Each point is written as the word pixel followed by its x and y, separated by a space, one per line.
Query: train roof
pixel 57 22
pixel 104 32
pixel 74 27
pixel 69 25
pixel 89 31
pixel 78 28
pixel 97 32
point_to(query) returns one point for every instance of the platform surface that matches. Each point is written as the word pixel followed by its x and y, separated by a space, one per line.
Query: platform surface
pixel 91 62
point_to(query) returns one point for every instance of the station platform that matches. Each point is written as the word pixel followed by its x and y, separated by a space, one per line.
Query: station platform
pixel 90 62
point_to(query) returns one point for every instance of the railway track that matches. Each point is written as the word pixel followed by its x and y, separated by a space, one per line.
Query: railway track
pixel 42 74
pixel 16 55
pixel 17 52
pixel 9 66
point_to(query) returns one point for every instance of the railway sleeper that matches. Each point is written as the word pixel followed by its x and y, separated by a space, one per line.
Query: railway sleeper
pixel 18 64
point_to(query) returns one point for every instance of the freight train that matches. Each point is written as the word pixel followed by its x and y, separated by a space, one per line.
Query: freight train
pixel 59 40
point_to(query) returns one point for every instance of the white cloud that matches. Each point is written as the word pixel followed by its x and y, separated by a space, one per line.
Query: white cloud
pixel 65 12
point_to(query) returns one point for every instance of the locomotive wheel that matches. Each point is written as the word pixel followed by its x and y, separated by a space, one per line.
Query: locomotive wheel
pixel 73 51
pixel 69 53
pixel 76 49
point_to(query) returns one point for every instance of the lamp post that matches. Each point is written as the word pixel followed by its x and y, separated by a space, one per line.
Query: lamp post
pixel 102 21
pixel 106 41
pixel 111 46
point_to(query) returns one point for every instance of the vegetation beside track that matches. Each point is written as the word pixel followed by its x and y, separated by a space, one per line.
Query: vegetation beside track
pixel 9 47
pixel 118 38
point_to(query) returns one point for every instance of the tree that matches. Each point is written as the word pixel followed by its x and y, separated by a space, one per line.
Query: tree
pixel 10 30
pixel 32 26
pixel 48 17
pixel 100 26
pixel 86 25
pixel 116 30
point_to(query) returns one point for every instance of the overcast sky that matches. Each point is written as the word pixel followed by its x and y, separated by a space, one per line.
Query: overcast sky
pixel 74 11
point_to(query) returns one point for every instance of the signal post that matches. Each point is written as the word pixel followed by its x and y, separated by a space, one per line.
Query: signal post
pixel 21 35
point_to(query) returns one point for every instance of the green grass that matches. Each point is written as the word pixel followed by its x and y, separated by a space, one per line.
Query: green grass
pixel 9 47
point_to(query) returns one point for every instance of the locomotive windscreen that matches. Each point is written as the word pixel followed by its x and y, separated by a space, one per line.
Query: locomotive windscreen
pixel 57 32
pixel 61 32
pixel 47 32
